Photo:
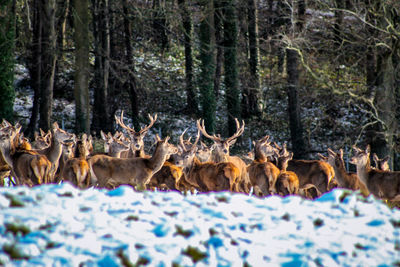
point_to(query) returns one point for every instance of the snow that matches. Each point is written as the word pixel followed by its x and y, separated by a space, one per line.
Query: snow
pixel 59 225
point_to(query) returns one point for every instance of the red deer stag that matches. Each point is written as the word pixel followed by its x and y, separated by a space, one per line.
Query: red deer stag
pixel 137 142
pixel 207 176
pixel 221 153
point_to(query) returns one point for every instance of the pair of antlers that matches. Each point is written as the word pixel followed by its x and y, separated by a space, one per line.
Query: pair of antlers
pixel 217 138
pixel 120 121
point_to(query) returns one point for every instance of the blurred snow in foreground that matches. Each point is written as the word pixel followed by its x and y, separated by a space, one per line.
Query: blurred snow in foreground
pixel 58 225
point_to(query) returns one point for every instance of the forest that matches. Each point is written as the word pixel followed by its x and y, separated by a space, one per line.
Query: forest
pixel 313 74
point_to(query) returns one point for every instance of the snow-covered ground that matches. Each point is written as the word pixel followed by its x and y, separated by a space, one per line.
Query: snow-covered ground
pixel 58 225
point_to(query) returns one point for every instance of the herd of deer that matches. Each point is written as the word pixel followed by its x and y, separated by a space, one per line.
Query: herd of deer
pixel 61 156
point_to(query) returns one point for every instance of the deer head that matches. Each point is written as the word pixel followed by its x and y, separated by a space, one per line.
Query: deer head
pixel 136 137
pixel 221 146
pixel 381 164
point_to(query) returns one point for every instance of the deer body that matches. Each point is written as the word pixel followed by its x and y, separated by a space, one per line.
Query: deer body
pixel 27 167
pixel 76 170
pixel 344 178
pixel 382 184
pixel 314 172
pixel 111 172
pixel 262 173
pixel 287 182
pixel 54 151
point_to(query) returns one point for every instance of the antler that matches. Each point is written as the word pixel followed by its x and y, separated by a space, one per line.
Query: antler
pixel 239 131
pixel 202 128
pixel 182 141
pixel 152 121
pixel 120 121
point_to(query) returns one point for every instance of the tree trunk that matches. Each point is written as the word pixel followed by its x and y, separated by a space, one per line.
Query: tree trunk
pixel 101 33
pixel 253 90
pixel 219 42
pixel 160 24
pixel 35 66
pixel 191 103
pixel 132 84
pixel 231 65
pixel 81 77
pixel 292 68
pixel 207 67
pixel 7 45
pixel 49 57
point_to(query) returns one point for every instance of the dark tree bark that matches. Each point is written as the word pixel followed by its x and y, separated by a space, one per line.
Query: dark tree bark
pixel 35 66
pixel 49 39
pixel 231 65
pixel 208 102
pixel 191 103
pixel 160 24
pixel 253 90
pixel 219 42
pixel 131 82
pixel 81 85
pixel 63 8
pixel 337 26
pixel 292 68
pixel 101 34
pixel 7 55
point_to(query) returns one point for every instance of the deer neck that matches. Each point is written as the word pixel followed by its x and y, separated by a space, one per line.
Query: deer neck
pixel 6 152
pixel 341 175
pixel 220 157
pixel 363 171
pixel 54 151
pixel 157 159
pixel 259 156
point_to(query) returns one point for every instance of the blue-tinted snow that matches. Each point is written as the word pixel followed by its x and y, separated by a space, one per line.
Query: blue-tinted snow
pixel 68 227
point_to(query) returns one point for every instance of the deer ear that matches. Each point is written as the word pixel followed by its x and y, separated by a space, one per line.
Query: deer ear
pixel 103 135
pixel 368 149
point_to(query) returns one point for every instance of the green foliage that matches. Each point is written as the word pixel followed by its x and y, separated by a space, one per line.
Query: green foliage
pixel 7 45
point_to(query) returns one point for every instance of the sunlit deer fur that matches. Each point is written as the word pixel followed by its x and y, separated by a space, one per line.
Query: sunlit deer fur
pixel 206 176
pixel 344 179
pixel 221 153
pixel 76 170
pixel 111 172
pixel 27 167
pixel 262 174
pixel 41 140
pixel 287 182
pixel 316 172
pixel 382 184
pixel 54 151
pixel 381 164
pixel 116 144
pixel 137 138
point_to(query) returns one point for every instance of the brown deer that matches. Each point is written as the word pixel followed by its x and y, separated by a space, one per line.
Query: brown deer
pixel 206 176
pixel 344 179
pixel 111 172
pixel 263 174
pixel 76 170
pixel 381 164
pixel 42 139
pixel 382 184
pixel 221 153
pixel 137 142
pixel 28 167
pixel 316 172
pixel 54 151
pixel 287 182
pixel 116 144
